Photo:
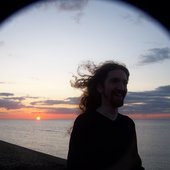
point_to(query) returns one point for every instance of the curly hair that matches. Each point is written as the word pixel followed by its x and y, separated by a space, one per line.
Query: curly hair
pixel 94 75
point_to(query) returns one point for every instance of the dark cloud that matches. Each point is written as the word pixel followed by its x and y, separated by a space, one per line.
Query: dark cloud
pixel 64 5
pixel 72 4
pixel 31 97
pixel 155 55
pixel 154 101
pixel 62 110
pixel 56 110
pixel 137 19
pixel 9 104
pixel 47 102
pixel 75 6
pixel 15 98
pixel 6 94
pixel 70 100
pixel 164 90
pixel 47 105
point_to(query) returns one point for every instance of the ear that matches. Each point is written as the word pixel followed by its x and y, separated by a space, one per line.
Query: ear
pixel 99 88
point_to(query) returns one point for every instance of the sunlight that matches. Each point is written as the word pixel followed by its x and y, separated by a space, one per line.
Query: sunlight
pixel 38 118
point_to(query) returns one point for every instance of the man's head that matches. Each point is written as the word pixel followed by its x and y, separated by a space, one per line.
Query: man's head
pixel 113 90
pixel 112 79
pixel 107 83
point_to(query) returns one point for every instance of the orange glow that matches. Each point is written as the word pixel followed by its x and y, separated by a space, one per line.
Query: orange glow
pixel 58 116
pixel 39 114
pixel 38 118
pixel 150 116
pixel 45 116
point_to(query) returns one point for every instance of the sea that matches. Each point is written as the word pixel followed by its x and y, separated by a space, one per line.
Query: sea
pixel 52 137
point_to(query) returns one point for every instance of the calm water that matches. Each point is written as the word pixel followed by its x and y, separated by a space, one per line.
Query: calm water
pixel 52 137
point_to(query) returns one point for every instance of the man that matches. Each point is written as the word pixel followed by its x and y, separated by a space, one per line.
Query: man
pixel 102 138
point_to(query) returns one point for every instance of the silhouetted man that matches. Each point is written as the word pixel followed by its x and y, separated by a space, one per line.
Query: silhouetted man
pixel 102 138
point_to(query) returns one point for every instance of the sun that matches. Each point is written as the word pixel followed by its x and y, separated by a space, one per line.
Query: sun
pixel 38 118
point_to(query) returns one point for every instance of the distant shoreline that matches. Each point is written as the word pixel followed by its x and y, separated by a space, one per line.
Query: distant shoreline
pixel 13 157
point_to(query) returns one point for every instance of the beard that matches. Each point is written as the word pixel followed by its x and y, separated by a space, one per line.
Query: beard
pixel 115 98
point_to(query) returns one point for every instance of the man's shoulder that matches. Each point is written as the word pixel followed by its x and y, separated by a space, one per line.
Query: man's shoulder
pixel 83 118
pixel 126 118
pixel 83 123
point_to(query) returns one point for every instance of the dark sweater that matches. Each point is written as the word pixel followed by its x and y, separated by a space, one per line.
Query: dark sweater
pixel 99 143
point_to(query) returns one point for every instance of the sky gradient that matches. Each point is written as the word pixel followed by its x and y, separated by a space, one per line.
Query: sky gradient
pixel 42 46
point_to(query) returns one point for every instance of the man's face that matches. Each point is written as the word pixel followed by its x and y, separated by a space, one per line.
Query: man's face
pixel 114 89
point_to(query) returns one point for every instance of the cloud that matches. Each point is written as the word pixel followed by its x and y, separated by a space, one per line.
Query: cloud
pixel 154 101
pixel 15 98
pixel 31 97
pixel 63 110
pixel 9 104
pixel 155 55
pixel 56 110
pixel 64 5
pixel 72 4
pixel 137 19
pixel 47 102
pixel 70 100
pixel 15 102
pixel 49 106
pixel 6 94
pixel 75 6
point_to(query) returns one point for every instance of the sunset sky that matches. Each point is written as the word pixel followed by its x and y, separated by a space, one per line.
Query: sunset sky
pixel 42 46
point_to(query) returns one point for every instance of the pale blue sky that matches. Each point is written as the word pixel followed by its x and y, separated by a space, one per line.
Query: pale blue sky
pixel 42 46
